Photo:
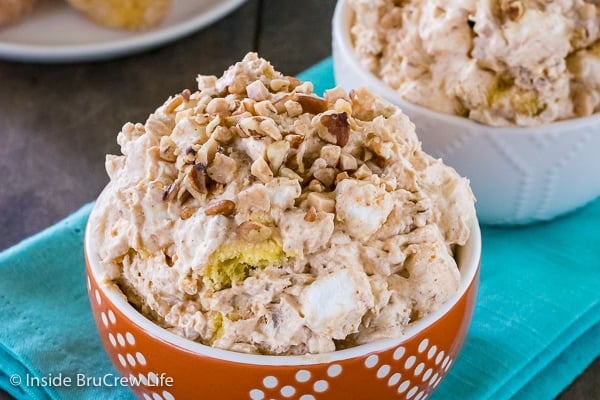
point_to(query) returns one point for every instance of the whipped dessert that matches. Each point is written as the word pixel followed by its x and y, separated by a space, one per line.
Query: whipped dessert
pixel 255 216
pixel 500 62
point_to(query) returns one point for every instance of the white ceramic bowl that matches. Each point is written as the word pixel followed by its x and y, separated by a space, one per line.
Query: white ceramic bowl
pixel 519 175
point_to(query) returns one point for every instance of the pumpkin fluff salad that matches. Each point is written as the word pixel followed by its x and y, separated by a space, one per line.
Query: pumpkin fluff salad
pixel 499 62
pixel 255 216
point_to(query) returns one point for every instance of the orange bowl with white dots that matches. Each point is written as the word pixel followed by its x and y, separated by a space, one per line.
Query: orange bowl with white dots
pixel 158 364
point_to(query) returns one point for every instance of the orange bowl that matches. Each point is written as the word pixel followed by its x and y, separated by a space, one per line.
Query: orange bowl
pixel 157 364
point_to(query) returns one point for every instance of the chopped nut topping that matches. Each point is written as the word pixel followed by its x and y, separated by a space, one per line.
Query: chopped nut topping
pixel 293 108
pixel 331 154
pixel 265 108
pixel 295 140
pixel 170 191
pixel 217 105
pixel 186 93
pixel 250 126
pixel 363 172
pixel 222 135
pixel 257 91
pixel 167 149
pixel 190 150
pixel 269 127
pixel 222 169
pixel 222 207
pixel 304 87
pixel 197 181
pixel 238 86
pixel 379 146
pixel 247 105
pixel 277 153
pixel 288 173
pixel 279 84
pixel 279 101
pixel 213 124
pixel 332 95
pixel 311 104
pixel 348 162
pixel 337 125
pixel 293 82
pixel 261 170
pixel 173 104
pixel 207 151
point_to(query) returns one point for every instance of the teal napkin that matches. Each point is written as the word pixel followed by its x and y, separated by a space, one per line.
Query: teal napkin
pixel 535 326
pixel 48 341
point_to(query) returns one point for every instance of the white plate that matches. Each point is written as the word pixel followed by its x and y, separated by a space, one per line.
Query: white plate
pixel 55 32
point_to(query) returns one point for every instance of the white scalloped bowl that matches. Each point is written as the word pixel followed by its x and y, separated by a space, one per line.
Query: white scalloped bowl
pixel 519 175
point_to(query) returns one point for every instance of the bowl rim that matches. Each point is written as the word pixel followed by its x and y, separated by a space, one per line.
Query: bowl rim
pixel 468 258
pixel 342 43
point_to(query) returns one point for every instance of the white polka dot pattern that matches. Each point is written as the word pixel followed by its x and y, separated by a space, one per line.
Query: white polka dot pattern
pixel 128 356
pixel 383 371
pixel 413 375
pixel 399 353
pixel 410 361
pixel 270 382
pixel 419 366
pixel 320 386
pixel 288 391
pixel 256 394
pixel 334 370
pixel 303 379
pixel 371 361
pixel 394 379
pixel 302 375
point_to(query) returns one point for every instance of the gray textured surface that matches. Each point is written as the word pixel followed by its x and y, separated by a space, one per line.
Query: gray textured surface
pixel 58 121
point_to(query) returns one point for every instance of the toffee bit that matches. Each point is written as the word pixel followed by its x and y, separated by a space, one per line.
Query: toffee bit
pixel 311 215
pixel 222 207
pixel 337 125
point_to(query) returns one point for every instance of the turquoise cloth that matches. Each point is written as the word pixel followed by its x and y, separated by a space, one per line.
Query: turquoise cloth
pixel 46 325
pixel 535 326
